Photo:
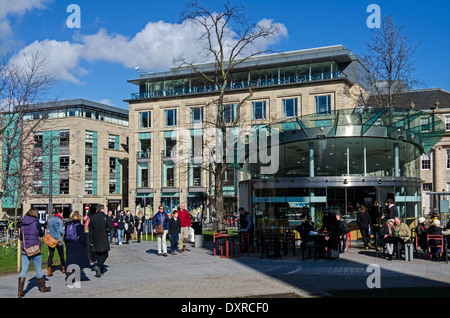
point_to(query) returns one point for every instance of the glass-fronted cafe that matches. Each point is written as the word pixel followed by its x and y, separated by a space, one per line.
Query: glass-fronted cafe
pixel 340 161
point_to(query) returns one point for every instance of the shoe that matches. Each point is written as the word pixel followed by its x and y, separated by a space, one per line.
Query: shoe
pixel 21 284
pixel 366 248
pixel 97 271
pixel 63 269
pixel 49 271
pixel 42 287
pixel 120 243
pixel 370 245
pixel 159 254
pixel 165 254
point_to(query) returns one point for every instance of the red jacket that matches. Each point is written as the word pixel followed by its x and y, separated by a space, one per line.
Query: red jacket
pixel 184 217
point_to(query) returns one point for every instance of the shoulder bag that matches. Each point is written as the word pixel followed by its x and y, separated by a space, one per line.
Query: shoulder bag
pixel 32 250
pixel 160 228
pixel 50 241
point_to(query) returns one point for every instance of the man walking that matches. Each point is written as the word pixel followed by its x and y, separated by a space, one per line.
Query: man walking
pixel 185 220
pixel 99 228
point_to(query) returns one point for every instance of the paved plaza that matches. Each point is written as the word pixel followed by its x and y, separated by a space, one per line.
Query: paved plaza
pixel 135 271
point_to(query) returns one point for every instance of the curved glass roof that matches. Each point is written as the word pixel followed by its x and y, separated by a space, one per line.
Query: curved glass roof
pixel 424 129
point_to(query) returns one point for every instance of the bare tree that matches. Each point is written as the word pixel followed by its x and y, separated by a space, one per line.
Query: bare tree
pixel 228 40
pixel 389 62
pixel 23 82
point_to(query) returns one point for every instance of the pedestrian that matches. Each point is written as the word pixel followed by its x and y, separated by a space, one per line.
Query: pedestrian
pixel 30 232
pixel 75 240
pixel 55 228
pixel 111 219
pixel 174 232
pixel 99 228
pixel 129 225
pixel 391 210
pixel 422 231
pixel 120 221
pixel 160 228
pixel 139 222
pixel 336 230
pixel 86 220
pixel 365 225
pixel 246 225
pixel 185 220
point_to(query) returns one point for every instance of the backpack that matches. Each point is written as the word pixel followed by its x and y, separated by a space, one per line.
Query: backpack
pixel 71 232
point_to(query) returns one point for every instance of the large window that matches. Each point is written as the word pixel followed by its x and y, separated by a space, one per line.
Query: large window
pixel 290 107
pixel 196 115
pixel 170 117
pixel 64 163
pixel 64 186
pixel 259 110
pixel 89 139
pixel 426 161
pixel 145 120
pixel 112 142
pixel 88 162
pixel 229 113
pixel 323 105
pixel 447 123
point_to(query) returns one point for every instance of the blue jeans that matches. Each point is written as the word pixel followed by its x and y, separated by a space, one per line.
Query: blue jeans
pixel 37 262
pixel 174 242
pixel 120 235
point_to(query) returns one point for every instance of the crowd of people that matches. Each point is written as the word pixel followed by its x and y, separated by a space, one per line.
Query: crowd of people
pixel 87 239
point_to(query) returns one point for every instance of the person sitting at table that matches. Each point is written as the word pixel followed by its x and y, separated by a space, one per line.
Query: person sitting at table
pixel 336 229
pixel 327 220
pixel 402 230
pixel 304 229
pixel 246 225
pixel 421 231
pixel 446 233
pixel 435 229
pixel 388 236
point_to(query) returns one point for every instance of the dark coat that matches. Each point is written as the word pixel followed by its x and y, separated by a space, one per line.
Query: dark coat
pixel 392 212
pixel 174 226
pixel 99 228
pixel 336 229
pixel 363 219
pixel 76 252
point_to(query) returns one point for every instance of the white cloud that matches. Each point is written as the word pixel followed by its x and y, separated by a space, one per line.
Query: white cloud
pixel 62 59
pixel 152 49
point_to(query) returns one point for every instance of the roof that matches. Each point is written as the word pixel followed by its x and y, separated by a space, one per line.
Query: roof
pixel 423 99
pixel 68 103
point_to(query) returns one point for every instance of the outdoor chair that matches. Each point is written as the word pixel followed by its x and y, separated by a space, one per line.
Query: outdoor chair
pixel 244 240
pixel 288 240
pixel 436 246
pixel 218 242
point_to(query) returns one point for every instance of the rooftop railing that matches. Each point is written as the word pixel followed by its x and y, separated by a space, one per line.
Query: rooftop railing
pixel 239 85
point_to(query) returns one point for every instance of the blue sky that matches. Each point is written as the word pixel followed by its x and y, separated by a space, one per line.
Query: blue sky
pixel 96 60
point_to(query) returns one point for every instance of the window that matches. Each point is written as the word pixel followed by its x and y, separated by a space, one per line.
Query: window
pixel 196 115
pixel 170 117
pixel 88 186
pixel 112 185
pixel 112 140
pixel 38 140
pixel 323 105
pixel 64 163
pixel 427 187
pixel 143 180
pixel 89 139
pixel 37 186
pixel 145 147
pixel 426 161
pixel 259 110
pixel 447 123
pixel 64 186
pixel 424 124
pixel 168 174
pixel 289 107
pixel 196 145
pixel 169 145
pixel 112 165
pixel 196 179
pixel 448 159
pixel 229 114
pixel 229 177
pixel 145 120
pixel 88 162
pixel 38 165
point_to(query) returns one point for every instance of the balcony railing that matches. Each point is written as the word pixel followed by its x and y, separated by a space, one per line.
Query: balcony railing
pixel 239 85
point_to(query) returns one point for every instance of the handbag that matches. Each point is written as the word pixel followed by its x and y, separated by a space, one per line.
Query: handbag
pixel 160 228
pixel 32 250
pixel 50 241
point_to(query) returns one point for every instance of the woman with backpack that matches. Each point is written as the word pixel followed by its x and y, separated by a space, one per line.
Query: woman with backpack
pixel 75 239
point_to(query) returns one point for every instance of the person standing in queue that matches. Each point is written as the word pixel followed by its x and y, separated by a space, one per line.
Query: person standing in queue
pixel 99 228
pixel 56 230
pixel 365 224
pixel 159 219
pixel 246 225
pixel 185 219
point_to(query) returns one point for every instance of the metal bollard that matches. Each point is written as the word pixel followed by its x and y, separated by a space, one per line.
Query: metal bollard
pixel 409 251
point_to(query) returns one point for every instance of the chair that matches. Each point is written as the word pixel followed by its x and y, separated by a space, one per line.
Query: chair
pixel 288 239
pixel 217 241
pixel 435 243
pixel 244 240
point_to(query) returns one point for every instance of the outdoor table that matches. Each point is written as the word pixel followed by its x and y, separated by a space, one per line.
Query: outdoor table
pixel 274 237
pixel 319 243
pixel 227 238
